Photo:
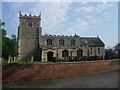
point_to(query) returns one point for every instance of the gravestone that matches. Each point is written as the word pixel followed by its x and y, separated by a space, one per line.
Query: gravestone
pixel 32 59
pixel 9 59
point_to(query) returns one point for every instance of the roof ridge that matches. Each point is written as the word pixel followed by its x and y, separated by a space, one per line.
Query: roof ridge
pixel 90 37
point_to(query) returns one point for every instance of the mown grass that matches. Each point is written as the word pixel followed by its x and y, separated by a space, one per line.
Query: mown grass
pixel 47 62
pixel 24 62
pixel 5 61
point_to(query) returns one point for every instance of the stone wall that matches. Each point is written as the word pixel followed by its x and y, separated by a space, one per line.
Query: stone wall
pixel 26 72
pixel 57 49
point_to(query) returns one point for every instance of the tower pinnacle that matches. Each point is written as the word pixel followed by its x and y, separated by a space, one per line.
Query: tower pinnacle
pixel 30 14
pixel 20 13
pixel 39 15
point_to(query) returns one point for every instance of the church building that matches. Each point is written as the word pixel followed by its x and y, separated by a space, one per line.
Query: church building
pixel 31 42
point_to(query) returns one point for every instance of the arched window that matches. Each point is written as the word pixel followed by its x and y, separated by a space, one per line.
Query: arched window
pixel 90 50
pixel 29 24
pixel 61 42
pixel 79 52
pixel 73 42
pixel 65 53
pixel 98 50
pixel 49 42
pixel 49 56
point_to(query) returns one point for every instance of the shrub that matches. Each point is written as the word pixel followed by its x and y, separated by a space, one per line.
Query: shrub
pixel 61 60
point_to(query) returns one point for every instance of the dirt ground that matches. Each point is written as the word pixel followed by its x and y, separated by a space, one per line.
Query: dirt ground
pixel 101 80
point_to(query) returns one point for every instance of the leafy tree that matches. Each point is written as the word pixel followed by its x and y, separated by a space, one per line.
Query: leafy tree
pixel 13 36
pixel 113 53
pixel 8 44
pixel 2 24
pixel 4 33
pixel 117 48
pixel 108 53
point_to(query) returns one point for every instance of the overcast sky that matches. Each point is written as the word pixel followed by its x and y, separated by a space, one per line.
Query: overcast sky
pixel 66 18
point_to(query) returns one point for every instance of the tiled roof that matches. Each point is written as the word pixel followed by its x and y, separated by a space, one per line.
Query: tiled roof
pixel 95 41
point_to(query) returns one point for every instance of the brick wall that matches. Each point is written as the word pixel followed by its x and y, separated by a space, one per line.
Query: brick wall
pixel 26 72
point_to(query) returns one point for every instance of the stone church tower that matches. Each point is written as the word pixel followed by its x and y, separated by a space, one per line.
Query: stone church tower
pixel 29 33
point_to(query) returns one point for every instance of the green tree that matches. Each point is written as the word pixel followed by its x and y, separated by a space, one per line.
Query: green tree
pixel 4 33
pixel 8 44
pixel 117 48
pixel 2 24
pixel 13 36
pixel 108 53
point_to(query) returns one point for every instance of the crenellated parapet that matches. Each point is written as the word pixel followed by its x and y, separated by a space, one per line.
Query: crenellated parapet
pixel 67 36
pixel 29 16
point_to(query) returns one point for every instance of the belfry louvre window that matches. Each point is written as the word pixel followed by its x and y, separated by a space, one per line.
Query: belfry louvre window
pixel 29 24
pixel 73 42
pixel 49 42
pixel 61 42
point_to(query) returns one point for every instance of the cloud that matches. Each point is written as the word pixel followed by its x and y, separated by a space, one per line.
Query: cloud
pixel 88 8
pixel 53 14
pixel 88 16
pixel 104 1
pixel 15 8
pixel 93 8
pixel 61 18
pixel 78 26
pixel 93 13
pixel 67 18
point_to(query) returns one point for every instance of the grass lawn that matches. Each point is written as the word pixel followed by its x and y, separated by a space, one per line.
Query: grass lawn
pixel 6 61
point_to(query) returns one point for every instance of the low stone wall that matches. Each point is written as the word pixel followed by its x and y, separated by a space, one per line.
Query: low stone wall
pixel 26 72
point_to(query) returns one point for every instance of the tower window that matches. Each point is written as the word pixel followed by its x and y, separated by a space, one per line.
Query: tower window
pixel 49 42
pixel 72 42
pixel 61 42
pixel 29 24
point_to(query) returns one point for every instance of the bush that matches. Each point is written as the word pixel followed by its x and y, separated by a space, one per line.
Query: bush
pixel 41 62
pixel 61 60
pixel 27 62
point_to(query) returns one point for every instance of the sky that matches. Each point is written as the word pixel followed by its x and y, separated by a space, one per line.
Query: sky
pixel 86 19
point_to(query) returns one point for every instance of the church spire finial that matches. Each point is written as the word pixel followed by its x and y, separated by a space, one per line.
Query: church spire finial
pixel 75 34
pixel 30 14
pixel 40 15
pixel 20 13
